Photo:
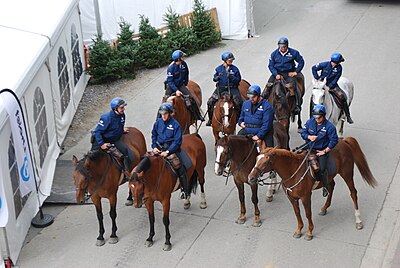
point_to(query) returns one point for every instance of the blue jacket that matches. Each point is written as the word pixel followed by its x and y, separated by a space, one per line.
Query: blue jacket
pixel 279 63
pixel 167 131
pixel 221 76
pixel 332 74
pixel 263 115
pixel 110 127
pixel 177 75
pixel 326 132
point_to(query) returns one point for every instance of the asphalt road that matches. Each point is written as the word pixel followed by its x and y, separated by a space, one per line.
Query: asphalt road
pixel 368 35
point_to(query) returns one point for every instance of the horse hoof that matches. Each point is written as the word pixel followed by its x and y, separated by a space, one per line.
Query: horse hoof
pixel 296 235
pixel 359 225
pixel 113 240
pixel 256 224
pixel 273 191
pixel 203 205
pixel 100 243
pixel 148 243
pixel 186 205
pixel 269 198
pixel 129 203
pixel 167 247
pixel 322 213
pixel 308 237
pixel 240 221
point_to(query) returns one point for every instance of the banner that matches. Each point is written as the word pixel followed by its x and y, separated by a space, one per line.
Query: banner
pixel 10 102
pixel 3 205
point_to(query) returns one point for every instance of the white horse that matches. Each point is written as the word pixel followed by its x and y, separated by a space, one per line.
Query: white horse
pixel 320 95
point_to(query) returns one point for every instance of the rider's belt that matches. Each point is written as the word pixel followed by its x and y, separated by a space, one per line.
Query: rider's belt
pixel 252 126
pixel 226 87
pixel 165 145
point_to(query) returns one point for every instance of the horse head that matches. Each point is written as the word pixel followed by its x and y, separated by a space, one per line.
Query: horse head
pixel 81 176
pixel 223 154
pixel 263 165
pixel 225 106
pixel 137 181
pixel 318 92
pixel 278 97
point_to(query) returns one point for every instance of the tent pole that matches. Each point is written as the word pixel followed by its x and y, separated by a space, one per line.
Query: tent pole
pixel 97 15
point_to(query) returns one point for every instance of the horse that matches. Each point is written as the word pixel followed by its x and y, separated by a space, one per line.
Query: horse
pixel 181 112
pixel 298 182
pixel 99 174
pixel 241 153
pixel 225 117
pixel 152 181
pixel 282 91
pixel 334 114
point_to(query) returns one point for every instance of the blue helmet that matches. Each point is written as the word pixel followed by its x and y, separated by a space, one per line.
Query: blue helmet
pixel 227 56
pixel 337 57
pixel 254 90
pixel 117 102
pixel 165 108
pixel 283 41
pixel 177 54
pixel 319 109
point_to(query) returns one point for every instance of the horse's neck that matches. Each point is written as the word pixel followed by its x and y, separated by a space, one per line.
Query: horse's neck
pixel 241 154
pixel 155 174
pixel 286 165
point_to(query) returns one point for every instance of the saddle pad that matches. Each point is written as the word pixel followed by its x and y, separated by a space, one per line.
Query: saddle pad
pixel 331 165
pixel 187 163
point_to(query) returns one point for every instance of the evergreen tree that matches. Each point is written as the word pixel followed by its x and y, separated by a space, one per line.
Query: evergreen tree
pixel 204 27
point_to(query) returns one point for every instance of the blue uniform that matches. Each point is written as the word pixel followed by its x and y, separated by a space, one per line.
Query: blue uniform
pixel 283 63
pixel 177 75
pixel 168 132
pixel 332 74
pixel 326 132
pixel 259 122
pixel 221 76
pixel 110 128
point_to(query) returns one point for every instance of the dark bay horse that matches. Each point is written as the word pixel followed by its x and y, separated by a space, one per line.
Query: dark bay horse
pixel 99 174
pixel 152 181
pixel 243 87
pixel 181 112
pixel 241 152
pixel 283 93
pixel 298 183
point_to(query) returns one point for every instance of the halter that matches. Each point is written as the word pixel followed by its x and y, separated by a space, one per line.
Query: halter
pixel 223 116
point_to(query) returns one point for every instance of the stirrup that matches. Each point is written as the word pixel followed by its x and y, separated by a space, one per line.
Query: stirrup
pixel 324 192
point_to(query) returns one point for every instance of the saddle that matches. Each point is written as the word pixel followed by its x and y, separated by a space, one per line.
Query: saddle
pixel 336 96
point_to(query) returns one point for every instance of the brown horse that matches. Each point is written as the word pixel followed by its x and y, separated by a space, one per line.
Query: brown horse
pixel 99 174
pixel 152 181
pixel 298 183
pixel 283 93
pixel 241 152
pixel 243 87
pixel 181 112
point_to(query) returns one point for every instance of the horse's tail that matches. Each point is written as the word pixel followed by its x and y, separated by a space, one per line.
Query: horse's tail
pixel 361 161
pixel 194 182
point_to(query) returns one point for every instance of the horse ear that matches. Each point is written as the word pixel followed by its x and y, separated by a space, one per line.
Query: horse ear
pixel 289 86
pixel 86 164
pixel 74 160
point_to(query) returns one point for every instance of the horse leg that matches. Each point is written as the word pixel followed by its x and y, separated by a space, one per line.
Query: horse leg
pixel 254 199
pixel 166 207
pixel 203 202
pixel 271 188
pixel 97 203
pixel 129 200
pixel 299 123
pixel 242 218
pixel 348 178
pixel 328 200
pixel 306 200
pixel 113 216
pixel 341 124
pixel 150 211
pixel 300 224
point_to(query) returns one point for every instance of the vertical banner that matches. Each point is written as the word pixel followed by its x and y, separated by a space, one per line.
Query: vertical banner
pixel 10 102
pixel 3 205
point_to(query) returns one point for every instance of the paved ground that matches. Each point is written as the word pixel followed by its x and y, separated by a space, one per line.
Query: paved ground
pixel 368 35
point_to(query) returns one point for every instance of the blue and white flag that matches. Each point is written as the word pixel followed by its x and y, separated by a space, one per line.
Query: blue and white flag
pixel 21 143
pixel 3 205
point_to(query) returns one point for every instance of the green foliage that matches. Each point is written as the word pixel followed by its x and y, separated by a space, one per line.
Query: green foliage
pixel 204 27
pixel 126 50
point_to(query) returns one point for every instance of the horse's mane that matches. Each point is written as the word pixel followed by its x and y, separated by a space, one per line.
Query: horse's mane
pixel 283 152
pixel 94 155
pixel 282 98
pixel 144 163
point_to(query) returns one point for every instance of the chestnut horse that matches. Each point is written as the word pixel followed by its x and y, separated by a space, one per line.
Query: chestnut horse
pixel 152 181
pixel 298 183
pixel 99 174
pixel 225 117
pixel 181 112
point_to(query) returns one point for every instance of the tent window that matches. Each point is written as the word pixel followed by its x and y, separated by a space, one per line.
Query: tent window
pixel 19 201
pixel 63 80
pixel 76 57
pixel 39 115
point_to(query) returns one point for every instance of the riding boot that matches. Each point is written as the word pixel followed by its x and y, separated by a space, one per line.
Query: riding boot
pixel 127 166
pixel 210 115
pixel 297 108
pixel 324 179
pixel 347 112
pixel 183 182
pixel 267 91
pixel 197 113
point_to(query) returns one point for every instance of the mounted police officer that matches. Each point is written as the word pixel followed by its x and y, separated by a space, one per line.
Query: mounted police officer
pixel 257 117
pixel 166 140
pixel 322 134
pixel 282 64
pixel 332 71
pixel 227 76
pixel 178 79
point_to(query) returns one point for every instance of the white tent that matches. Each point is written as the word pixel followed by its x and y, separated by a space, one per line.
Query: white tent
pixel 235 16
pixel 42 62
